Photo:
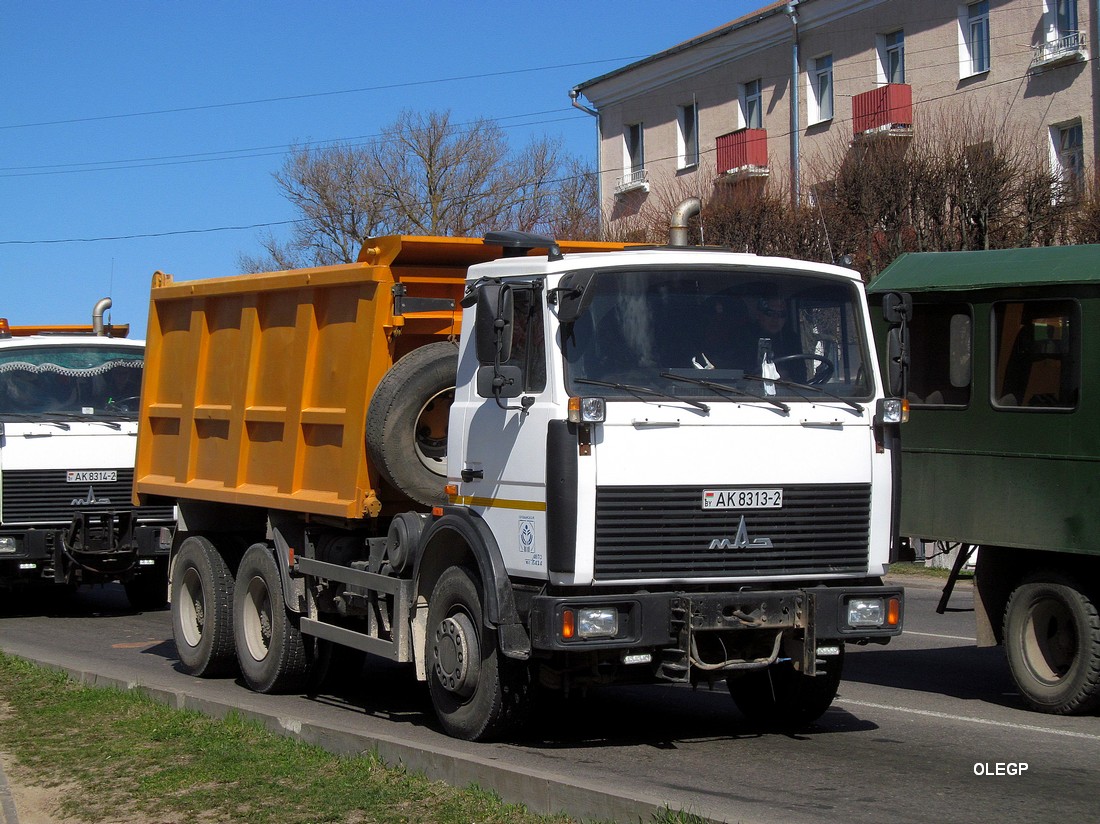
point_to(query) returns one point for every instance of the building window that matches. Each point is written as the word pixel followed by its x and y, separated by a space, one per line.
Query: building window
pixel 1036 354
pixel 821 89
pixel 1065 18
pixel 634 158
pixel 1069 158
pixel 752 110
pixel 687 137
pixel 974 25
pixel 1061 40
pixel 892 57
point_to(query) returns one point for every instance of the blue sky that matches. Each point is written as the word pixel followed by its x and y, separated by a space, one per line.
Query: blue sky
pixel 130 130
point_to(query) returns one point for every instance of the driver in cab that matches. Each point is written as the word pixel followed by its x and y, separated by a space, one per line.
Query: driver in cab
pixel 761 333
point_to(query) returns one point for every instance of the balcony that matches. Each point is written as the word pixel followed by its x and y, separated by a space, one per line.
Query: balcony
pixel 637 180
pixel 742 154
pixel 885 110
pixel 1068 48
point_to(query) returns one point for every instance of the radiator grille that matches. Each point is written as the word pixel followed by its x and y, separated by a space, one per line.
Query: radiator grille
pixel 42 496
pixel 646 532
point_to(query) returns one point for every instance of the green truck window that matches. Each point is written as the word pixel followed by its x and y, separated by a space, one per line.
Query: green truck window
pixel 1036 364
pixel 941 341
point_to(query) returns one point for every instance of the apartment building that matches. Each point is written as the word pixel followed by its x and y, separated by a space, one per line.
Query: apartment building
pixel 759 100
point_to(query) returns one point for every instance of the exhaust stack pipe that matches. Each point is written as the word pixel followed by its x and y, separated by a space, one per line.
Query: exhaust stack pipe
pixel 678 225
pixel 102 305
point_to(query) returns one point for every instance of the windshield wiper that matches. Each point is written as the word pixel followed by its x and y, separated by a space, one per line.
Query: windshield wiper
pixel 50 418
pixel 723 389
pixel 641 391
pixel 795 385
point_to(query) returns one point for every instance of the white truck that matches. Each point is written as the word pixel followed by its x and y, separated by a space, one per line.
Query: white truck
pixel 69 398
pixel 517 462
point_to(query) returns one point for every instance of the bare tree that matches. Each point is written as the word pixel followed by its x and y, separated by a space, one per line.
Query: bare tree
pixel 425 175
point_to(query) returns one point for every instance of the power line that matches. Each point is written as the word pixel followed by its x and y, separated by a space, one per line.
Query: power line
pixel 306 96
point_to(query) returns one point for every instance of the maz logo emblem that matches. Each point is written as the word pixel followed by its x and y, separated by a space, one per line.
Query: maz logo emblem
pixel 92 500
pixel 741 540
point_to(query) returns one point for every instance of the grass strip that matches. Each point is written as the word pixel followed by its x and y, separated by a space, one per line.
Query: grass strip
pixel 122 757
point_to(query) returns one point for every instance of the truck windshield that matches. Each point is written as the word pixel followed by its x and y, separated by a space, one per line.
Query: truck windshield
pixel 681 331
pixel 70 381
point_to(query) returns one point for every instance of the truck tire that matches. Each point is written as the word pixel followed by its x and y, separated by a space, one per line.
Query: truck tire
pixel 1052 642
pixel 477 693
pixel 780 697
pixel 202 609
pixel 149 590
pixel 270 650
pixel 407 422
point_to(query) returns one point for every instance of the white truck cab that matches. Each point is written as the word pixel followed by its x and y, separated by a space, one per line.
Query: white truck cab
pixel 69 400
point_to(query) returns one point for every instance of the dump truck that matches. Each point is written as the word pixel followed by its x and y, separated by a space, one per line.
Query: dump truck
pixel 68 426
pixel 1001 456
pixel 520 464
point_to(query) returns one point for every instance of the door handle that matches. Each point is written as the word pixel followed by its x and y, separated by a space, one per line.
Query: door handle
pixel 470 474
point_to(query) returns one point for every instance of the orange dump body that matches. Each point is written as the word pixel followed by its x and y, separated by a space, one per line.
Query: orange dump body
pixel 257 386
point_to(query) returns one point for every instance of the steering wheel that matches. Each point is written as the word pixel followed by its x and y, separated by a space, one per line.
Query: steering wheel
pixel 129 404
pixel 822 372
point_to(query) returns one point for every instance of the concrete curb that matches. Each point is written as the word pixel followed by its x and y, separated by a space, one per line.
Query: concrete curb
pixel 8 814
pixel 545 794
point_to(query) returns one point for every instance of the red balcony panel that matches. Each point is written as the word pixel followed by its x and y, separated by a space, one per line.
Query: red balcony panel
pixel 884 107
pixel 747 147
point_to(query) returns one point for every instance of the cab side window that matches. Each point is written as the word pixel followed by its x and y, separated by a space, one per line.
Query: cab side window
pixel 1036 351
pixel 529 339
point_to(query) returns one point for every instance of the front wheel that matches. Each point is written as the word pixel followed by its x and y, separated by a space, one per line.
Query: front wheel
pixel 1052 641
pixel 202 609
pixel 477 693
pixel 782 697
pixel 269 646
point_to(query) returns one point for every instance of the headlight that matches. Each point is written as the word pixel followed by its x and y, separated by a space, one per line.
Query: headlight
pixel 874 612
pixel 7 544
pixel 866 612
pixel 586 410
pixel 597 623
pixel 589 622
pixel 893 410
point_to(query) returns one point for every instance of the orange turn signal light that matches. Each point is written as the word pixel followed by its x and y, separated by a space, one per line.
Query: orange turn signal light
pixel 568 624
pixel 893 612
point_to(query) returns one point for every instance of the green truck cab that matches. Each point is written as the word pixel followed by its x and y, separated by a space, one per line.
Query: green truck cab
pixel 1000 359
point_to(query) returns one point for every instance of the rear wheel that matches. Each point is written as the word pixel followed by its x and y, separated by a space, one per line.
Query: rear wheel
pixel 477 693
pixel 269 646
pixel 782 697
pixel 202 609
pixel 1052 641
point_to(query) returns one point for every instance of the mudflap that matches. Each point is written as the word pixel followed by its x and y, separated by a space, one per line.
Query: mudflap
pixel 98 546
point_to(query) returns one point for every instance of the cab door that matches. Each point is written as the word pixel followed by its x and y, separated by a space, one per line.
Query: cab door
pixel 502 463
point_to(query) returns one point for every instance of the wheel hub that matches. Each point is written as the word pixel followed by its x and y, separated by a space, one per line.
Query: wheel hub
pixel 456 655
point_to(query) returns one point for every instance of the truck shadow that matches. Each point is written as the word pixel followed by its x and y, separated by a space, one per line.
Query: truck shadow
pixel 966 672
pixel 105 600
pixel 603 717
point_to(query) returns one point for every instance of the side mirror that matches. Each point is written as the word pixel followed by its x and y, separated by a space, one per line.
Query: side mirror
pixel 572 295
pixel 897 355
pixel 499 382
pixel 897 307
pixel 493 324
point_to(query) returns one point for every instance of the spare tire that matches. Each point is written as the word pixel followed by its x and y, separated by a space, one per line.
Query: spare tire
pixel 407 422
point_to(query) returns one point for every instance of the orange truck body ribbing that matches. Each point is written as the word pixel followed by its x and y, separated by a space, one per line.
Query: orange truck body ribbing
pixel 257 386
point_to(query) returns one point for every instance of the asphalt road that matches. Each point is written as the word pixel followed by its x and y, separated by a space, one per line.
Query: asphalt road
pixel 929 728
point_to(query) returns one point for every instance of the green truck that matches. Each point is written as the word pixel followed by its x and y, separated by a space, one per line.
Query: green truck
pixel 998 354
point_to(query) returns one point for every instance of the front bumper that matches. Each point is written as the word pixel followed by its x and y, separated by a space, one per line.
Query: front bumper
pixel 757 623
